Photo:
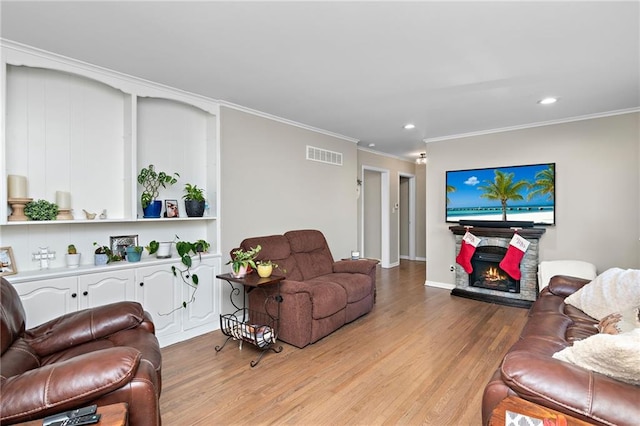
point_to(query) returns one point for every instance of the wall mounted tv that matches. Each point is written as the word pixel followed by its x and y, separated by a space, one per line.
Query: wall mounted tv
pixel 517 193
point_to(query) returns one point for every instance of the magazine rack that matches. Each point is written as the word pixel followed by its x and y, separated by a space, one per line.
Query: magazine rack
pixel 246 325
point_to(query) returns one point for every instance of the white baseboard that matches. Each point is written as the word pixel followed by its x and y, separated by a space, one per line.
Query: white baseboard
pixel 436 284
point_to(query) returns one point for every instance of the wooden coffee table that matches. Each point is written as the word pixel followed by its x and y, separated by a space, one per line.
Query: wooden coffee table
pixel 112 415
pixel 526 408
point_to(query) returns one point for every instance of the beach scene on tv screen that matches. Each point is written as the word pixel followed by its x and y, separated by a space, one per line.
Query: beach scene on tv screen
pixel 519 193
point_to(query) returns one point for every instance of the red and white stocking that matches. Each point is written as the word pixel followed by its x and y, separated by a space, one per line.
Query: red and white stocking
pixel 511 261
pixel 468 247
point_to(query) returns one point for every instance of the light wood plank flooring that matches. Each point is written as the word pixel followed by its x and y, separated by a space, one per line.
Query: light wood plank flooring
pixel 421 356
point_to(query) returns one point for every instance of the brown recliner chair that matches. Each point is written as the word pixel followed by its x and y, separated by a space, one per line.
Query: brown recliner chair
pixel 102 356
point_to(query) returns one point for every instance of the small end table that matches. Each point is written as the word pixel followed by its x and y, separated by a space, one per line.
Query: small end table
pixel 257 328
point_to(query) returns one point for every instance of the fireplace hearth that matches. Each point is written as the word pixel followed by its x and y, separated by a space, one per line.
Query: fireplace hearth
pixel 491 285
pixel 487 272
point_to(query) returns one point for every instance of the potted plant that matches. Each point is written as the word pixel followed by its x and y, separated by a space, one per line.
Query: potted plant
pixel 134 253
pixel 72 257
pixel 152 181
pixel 242 259
pixel 193 200
pixel 265 268
pixel 102 255
pixel 41 210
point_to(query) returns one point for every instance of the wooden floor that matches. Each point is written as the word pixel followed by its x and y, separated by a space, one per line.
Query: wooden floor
pixel 421 356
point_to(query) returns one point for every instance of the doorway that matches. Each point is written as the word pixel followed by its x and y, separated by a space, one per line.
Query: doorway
pixel 407 217
pixel 375 216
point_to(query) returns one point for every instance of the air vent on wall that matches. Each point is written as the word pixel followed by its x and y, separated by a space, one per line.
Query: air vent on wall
pixel 324 156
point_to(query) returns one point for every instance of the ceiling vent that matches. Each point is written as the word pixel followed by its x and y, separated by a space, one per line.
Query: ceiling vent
pixel 324 156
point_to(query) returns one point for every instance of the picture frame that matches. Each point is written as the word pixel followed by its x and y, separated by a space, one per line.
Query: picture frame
pixel 7 262
pixel 120 243
pixel 171 209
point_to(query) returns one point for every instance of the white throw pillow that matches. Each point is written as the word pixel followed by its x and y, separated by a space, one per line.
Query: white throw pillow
pixel 614 290
pixel 614 355
pixel 573 268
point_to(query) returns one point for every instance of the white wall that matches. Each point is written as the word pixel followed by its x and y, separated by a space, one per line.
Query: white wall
pixel 268 187
pixel 597 188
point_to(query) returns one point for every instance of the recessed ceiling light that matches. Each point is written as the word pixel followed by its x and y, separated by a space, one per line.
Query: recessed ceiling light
pixel 371 145
pixel 409 126
pixel 548 101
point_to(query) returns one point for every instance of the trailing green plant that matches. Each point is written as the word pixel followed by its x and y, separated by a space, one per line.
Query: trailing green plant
pixel 187 251
pixel 41 210
pixel 153 246
pixel 193 193
pixel 152 181
pixel 71 249
pixel 243 258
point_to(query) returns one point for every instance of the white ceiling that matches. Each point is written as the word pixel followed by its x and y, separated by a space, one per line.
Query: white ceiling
pixel 363 69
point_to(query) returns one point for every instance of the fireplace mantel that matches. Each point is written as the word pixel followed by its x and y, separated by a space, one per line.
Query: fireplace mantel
pixel 481 231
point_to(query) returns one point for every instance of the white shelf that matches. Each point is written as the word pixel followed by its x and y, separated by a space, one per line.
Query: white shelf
pixel 103 221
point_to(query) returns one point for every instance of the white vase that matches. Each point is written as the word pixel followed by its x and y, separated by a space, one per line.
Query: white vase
pixel 73 260
pixel 164 250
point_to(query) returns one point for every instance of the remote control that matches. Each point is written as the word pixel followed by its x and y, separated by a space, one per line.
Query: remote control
pixel 61 417
pixel 82 420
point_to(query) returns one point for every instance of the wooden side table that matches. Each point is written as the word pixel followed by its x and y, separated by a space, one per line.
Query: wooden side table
pixel 111 415
pixel 545 415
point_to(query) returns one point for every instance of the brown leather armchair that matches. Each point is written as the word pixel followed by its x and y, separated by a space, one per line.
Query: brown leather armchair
pixel 102 356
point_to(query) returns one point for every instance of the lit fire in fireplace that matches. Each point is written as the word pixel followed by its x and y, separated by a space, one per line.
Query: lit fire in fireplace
pixel 493 274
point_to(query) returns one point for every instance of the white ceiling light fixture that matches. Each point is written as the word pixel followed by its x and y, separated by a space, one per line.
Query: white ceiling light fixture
pixel 548 101
pixel 422 159
pixel 409 126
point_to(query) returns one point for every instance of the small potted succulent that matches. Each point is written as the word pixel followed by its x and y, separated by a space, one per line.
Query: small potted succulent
pixel 72 257
pixel 241 260
pixel 151 181
pixel 194 201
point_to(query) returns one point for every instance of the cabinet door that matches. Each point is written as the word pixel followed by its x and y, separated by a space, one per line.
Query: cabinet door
pixel 159 293
pixel 48 299
pixel 105 287
pixel 205 307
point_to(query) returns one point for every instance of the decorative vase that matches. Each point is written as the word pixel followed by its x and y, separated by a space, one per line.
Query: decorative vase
pixel 153 210
pixel 194 208
pixel 134 254
pixel 100 259
pixel 73 260
pixel 242 271
pixel 164 250
pixel 265 270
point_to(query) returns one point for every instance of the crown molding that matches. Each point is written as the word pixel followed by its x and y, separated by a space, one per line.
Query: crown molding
pixel 285 121
pixel 538 124
pixel 384 154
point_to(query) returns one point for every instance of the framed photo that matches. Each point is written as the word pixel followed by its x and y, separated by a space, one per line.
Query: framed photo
pixel 171 208
pixel 7 263
pixel 120 243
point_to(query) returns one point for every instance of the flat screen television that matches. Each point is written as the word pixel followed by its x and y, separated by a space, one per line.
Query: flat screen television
pixel 517 193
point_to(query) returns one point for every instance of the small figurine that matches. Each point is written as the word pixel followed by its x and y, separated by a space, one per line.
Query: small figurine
pixel 103 215
pixel 88 215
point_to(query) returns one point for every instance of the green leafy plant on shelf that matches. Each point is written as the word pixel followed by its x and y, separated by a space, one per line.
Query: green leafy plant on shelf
pixel 151 181
pixel 41 210
pixel 111 256
pixel 192 192
pixel 243 258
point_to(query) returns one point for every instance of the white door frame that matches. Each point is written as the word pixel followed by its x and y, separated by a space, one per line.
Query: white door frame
pixel 384 215
pixel 412 214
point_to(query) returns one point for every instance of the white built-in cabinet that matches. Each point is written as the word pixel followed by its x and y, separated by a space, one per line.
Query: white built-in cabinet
pixel 73 127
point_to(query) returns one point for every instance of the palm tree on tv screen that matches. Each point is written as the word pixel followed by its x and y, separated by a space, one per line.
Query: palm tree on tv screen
pixel 544 184
pixel 450 188
pixel 503 189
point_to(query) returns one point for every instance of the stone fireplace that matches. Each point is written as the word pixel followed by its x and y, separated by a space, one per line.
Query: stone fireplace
pixel 488 282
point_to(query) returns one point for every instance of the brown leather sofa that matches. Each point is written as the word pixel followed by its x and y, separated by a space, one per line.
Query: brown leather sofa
pixel 529 371
pixel 102 356
pixel 319 295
